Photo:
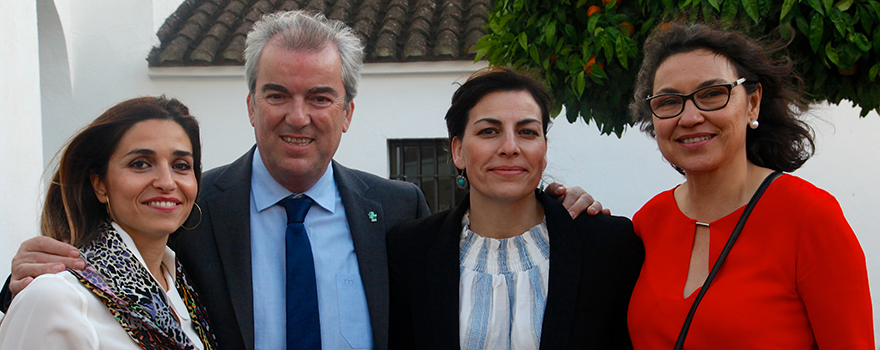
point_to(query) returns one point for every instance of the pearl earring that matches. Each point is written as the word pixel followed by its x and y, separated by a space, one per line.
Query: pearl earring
pixel 753 124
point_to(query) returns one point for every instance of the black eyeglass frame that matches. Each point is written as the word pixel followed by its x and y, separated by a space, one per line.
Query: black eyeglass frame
pixel 690 96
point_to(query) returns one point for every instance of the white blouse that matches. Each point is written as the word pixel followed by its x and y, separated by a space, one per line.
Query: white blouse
pixel 57 312
pixel 503 289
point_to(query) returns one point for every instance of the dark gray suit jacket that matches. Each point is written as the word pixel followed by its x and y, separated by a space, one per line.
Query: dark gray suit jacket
pixel 594 264
pixel 217 253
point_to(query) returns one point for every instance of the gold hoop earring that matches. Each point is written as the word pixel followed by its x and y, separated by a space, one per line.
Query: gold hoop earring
pixel 200 219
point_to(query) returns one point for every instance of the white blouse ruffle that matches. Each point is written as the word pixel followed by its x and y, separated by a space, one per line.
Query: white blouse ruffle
pixel 503 289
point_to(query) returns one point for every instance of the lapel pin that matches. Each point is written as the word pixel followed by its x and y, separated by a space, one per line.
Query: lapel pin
pixel 373 217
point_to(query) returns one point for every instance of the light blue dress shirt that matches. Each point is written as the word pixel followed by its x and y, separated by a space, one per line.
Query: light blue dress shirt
pixel 342 302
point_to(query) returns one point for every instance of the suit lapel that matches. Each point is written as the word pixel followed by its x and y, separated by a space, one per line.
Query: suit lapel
pixel 566 261
pixel 366 220
pixel 443 279
pixel 229 209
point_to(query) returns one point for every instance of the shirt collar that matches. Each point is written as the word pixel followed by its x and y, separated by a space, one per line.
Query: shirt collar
pixel 267 192
pixel 167 259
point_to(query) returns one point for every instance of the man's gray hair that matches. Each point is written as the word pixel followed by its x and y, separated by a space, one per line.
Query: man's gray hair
pixel 303 31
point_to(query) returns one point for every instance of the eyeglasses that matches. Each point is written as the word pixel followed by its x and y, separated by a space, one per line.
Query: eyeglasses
pixel 709 98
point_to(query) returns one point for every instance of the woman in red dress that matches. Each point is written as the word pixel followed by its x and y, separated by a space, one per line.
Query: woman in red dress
pixel 724 111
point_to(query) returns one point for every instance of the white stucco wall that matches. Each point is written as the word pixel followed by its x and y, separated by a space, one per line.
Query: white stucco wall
pixel 20 141
pixel 95 57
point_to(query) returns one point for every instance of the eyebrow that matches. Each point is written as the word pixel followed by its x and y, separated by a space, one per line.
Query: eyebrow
pixel 324 89
pixel 498 122
pixel 275 87
pixel 149 152
pixel 706 83
pixel 315 90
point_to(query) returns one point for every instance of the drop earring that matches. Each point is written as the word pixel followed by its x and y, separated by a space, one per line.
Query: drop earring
pixel 110 210
pixel 461 180
pixel 754 124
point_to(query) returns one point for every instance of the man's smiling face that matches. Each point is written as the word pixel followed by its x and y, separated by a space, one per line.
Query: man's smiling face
pixel 298 112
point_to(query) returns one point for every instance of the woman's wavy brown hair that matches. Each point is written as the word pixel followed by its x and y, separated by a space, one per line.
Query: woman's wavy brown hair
pixel 72 211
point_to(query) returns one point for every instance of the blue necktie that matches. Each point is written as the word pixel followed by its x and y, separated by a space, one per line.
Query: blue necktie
pixel 303 322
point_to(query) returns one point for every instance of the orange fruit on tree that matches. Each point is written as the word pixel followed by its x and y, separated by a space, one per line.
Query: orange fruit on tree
pixel 850 71
pixel 588 67
pixel 590 62
pixel 591 10
pixel 632 30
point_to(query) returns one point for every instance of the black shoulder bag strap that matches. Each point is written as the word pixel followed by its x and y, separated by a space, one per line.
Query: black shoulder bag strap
pixel 739 225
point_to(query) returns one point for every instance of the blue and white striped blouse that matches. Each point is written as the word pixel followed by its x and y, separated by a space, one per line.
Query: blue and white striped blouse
pixel 503 289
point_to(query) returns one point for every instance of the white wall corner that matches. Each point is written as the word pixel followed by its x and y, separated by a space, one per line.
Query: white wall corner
pixel 20 127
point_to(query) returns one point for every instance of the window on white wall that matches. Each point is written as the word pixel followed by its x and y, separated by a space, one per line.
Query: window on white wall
pixel 426 163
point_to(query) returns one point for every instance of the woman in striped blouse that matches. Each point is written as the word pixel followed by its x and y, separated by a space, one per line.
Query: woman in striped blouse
pixel 509 268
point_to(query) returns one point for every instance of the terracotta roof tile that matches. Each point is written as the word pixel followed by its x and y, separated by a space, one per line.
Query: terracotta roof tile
pixel 365 20
pixel 172 23
pixel 235 50
pixel 208 47
pixel 316 6
pixel 213 32
pixel 387 44
pixel 264 6
pixel 235 7
pixel 477 17
pixel 447 45
pixel 341 10
pixel 288 5
pixel 173 54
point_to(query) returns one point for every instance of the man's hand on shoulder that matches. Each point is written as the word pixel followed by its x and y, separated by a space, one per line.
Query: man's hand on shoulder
pixel 40 255
pixel 576 200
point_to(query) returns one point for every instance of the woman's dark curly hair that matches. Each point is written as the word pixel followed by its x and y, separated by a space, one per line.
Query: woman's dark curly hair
pixel 783 142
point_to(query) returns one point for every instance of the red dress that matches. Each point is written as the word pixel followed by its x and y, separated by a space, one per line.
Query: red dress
pixel 796 277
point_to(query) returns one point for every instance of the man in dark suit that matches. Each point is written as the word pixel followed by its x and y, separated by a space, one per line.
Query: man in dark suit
pixel 302 72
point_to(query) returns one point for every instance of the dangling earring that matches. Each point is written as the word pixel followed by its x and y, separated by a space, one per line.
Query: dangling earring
pixel 461 181
pixel 110 211
pixel 200 219
pixel 754 124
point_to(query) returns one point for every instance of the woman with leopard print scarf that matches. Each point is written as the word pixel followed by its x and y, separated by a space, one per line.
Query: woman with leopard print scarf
pixel 123 185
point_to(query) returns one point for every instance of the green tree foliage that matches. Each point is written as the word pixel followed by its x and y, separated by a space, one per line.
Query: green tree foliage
pixel 589 51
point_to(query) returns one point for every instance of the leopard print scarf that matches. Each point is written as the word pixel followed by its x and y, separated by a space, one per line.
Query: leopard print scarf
pixel 114 274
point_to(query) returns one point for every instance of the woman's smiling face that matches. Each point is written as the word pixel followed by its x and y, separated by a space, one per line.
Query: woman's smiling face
pixel 150 183
pixel 503 148
pixel 699 141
